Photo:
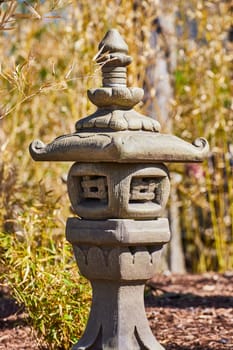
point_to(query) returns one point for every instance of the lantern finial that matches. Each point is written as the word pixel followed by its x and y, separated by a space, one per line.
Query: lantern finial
pixel 113 59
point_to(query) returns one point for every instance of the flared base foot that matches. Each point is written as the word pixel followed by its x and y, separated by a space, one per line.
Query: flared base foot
pixel 117 320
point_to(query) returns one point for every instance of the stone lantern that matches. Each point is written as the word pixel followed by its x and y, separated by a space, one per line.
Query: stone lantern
pixel 119 186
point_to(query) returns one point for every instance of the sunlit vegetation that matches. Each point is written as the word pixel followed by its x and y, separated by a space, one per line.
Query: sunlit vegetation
pixel 203 94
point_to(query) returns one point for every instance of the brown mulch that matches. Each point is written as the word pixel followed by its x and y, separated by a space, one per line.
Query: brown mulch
pixel 192 312
pixel 15 333
pixel 185 312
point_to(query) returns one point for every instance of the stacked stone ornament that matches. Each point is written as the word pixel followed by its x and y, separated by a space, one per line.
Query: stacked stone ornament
pixel 119 186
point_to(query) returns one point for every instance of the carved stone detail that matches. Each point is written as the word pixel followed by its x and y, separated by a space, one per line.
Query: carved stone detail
pixel 124 256
pixel 100 191
pixel 94 187
pixel 121 263
pixel 146 189
pixel 117 120
pixel 126 97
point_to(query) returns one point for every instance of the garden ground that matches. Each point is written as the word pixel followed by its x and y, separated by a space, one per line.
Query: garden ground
pixel 186 312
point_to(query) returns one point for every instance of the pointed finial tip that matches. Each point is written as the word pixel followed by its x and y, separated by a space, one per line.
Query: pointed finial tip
pixel 113 42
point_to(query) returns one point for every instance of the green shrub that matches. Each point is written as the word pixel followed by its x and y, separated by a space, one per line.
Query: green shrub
pixel 40 270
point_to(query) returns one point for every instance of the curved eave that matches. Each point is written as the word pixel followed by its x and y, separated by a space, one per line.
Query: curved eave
pixel 120 147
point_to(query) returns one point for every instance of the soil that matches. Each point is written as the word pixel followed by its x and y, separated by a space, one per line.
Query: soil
pixel 192 312
pixel 185 312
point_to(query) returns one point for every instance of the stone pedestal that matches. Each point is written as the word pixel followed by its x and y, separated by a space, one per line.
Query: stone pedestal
pixel 117 319
pixel 117 269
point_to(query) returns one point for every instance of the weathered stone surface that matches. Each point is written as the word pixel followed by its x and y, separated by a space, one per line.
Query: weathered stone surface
pixel 117 120
pixel 129 263
pixel 116 232
pixel 129 250
pixel 120 147
pixel 120 97
pixel 113 42
pixel 102 191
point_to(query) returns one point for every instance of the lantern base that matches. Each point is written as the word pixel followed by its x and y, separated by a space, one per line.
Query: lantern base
pixel 118 256
pixel 117 320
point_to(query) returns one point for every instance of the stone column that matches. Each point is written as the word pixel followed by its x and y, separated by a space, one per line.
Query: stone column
pixel 119 186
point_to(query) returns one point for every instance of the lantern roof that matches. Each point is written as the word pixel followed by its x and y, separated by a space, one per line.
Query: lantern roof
pixel 116 132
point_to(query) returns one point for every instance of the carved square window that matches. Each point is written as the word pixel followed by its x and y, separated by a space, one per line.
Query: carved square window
pixel 94 189
pixel 146 190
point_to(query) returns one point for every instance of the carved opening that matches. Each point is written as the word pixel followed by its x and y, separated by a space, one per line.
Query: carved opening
pixel 94 189
pixel 146 189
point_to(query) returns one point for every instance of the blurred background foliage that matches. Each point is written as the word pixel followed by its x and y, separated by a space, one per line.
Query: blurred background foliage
pixel 47 50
